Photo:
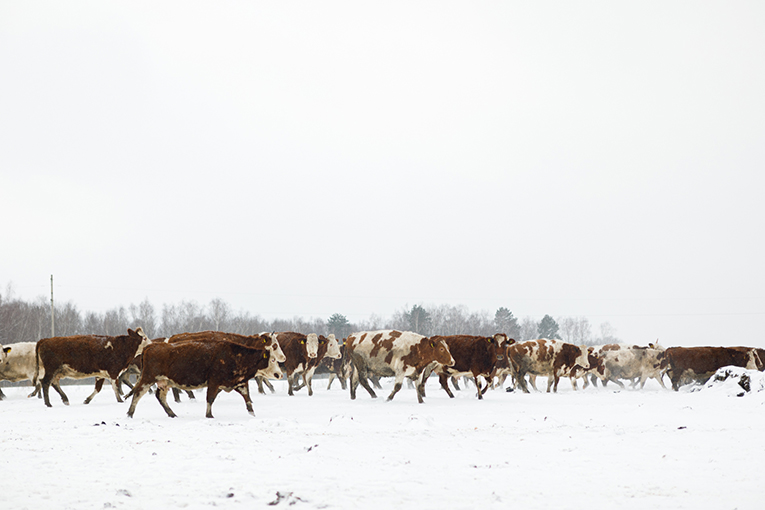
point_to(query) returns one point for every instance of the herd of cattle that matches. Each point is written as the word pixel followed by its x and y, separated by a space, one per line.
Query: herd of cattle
pixel 227 361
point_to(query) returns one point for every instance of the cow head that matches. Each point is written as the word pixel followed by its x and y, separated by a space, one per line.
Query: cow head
pixel 272 371
pixel 498 345
pixel 582 356
pixel 271 343
pixel 312 345
pixel 333 347
pixel 440 352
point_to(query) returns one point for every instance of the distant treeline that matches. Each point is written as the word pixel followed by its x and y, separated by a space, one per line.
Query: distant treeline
pixel 24 321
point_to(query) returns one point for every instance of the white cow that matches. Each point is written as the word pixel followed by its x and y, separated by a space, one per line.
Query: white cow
pixel 18 363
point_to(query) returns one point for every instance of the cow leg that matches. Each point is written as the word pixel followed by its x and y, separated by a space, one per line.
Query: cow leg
pixel 190 394
pixel 244 391
pixel 617 381
pixel 290 384
pixel 57 386
pixel 343 383
pixel 331 378
pixel 520 378
pixel 96 390
pixel 486 388
pixel 354 382
pixel 2 395
pixel 139 390
pixel 116 388
pixel 375 382
pixel 177 395
pixel 455 383
pixel 308 378
pixel 533 381
pixel 660 378
pixel 212 392
pixel 362 375
pixel 161 395
pixel 37 391
pixel 444 380
pixel 259 381
pixel 397 387
pixel 478 386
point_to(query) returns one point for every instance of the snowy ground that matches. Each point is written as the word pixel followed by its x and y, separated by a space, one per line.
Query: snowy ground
pixel 598 448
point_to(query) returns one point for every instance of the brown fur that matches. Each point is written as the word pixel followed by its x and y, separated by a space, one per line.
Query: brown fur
pixel 698 364
pixel 217 365
pixel 85 356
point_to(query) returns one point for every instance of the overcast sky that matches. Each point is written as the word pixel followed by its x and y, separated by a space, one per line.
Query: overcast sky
pixel 598 159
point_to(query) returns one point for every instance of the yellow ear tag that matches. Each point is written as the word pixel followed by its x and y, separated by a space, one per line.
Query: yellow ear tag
pixel 432 344
pixel 302 341
pixel 265 355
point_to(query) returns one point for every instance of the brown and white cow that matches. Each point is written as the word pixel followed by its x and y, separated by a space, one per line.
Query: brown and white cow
pixel 217 365
pixel 686 365
pixel 395 354
pixel 83 356
pixel 329 348
pixel 475 356
pixel 550 358
pixel 597 368
pixel 18 363
pixel 299 349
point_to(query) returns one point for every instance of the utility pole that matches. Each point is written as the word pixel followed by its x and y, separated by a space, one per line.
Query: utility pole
pixel 52 315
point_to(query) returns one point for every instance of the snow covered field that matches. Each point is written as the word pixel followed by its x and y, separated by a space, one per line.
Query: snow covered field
pixel 598 448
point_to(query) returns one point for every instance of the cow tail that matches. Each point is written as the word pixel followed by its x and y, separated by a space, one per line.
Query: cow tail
pixel 38 366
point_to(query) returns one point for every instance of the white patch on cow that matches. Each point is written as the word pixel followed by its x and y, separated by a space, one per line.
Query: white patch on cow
pixel 312 345
pixel 109 345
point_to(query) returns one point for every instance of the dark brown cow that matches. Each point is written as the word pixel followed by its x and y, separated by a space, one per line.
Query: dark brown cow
pixel 686 365
pixel 473 355
pixel 394 354
pixel 261 341
pixel 550 358
pixel 216 365
pixel 83 356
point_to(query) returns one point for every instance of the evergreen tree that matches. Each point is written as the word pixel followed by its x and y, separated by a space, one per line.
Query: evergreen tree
pixel 339 326
pixel 548 328
pixel 419 320
pixel 506 323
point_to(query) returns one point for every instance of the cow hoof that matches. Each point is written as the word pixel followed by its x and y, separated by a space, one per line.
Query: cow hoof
pixel 87 401
pixel 66 402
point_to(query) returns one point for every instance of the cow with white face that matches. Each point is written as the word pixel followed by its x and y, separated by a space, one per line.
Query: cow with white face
pixel 328 348
pixel 551 358
pixel 396 354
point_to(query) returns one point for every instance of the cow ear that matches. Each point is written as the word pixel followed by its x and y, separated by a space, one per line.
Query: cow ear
pixel 7 350
pixel 432 344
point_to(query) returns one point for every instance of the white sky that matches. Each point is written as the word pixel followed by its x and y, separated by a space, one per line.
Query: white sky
pixel 602 159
